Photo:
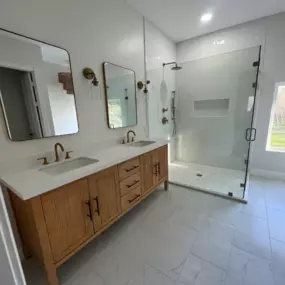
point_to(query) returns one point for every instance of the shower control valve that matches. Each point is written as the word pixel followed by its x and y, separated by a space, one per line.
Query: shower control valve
pixel 164 121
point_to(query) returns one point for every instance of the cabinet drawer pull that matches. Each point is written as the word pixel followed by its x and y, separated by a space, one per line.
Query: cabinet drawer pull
pixel 135 182
pixel 136 197
pixel 132 168
pixel 158 168
pixel 90 211
pixel 155 169
pixel 97 206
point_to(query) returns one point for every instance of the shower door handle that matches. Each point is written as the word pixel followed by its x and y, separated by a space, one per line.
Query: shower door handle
pixel 248 134
pixel 254 134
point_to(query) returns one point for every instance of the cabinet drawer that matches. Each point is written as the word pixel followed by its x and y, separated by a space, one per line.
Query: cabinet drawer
pixel 129 168
pixel 130 183
pixel 131 198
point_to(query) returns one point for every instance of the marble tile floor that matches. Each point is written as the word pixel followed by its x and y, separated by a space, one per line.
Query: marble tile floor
pixel 185 237
pixel 213 179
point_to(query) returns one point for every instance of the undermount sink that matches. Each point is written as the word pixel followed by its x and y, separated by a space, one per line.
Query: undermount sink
pixel 141 143
pixel 69 165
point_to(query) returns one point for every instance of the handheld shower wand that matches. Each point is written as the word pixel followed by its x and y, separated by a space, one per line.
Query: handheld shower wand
pixel 173 112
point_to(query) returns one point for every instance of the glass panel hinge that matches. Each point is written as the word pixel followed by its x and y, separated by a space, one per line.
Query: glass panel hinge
pixel 256 63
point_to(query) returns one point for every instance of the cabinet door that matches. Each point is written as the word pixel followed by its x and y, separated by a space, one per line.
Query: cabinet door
pixel 162 154
pixel 105 198
pixel 155 154
pixel 149 170
pixel 66 215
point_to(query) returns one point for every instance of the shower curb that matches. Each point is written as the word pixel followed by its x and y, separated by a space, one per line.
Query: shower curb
pixel 213 193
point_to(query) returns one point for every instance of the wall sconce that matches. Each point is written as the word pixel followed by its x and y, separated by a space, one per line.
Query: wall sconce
pixel 141 85
pixel 89 74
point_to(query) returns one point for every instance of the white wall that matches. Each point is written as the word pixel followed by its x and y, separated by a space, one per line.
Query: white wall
pixel 270 33
pixel 159 49
pixel 91 38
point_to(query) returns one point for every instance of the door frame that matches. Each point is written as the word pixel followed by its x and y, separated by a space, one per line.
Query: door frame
pixel 252 123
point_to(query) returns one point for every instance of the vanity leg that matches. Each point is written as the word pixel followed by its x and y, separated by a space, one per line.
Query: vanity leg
pixel 26 252
pixel 166 185
pixel 52 275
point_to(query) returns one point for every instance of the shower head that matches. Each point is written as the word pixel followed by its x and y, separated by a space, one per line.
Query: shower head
pixel 175 68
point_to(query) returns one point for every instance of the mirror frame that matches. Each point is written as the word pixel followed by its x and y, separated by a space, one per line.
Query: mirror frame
pixel 106 95
pixel 71 72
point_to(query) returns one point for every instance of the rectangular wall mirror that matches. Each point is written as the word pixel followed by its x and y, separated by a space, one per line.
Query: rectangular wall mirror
pixel 36 89
pixel 120 92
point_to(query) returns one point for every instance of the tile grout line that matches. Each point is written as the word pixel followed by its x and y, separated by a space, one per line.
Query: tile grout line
pixel 278 240
pixel 177 280
pixel 269 234
pixel 230 255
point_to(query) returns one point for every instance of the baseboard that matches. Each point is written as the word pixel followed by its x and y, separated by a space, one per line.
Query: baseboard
pixel 268 174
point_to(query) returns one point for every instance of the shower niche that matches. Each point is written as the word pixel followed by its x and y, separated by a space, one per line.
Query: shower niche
pixel 211 108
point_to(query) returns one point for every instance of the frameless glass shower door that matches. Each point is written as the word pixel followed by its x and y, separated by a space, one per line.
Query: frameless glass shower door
pixel 214 114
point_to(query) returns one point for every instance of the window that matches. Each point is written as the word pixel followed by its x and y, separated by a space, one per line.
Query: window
pixel 276 131
pixel 115 113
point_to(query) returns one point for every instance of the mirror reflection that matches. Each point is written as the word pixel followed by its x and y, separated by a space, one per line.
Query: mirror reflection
pixel 120 92
pixel 36 89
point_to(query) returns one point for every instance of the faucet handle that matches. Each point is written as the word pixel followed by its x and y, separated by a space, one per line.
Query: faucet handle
pixel 67 156
pixel 45 161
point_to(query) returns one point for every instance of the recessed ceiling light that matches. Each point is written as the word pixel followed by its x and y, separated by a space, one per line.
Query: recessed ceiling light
pixel 206 17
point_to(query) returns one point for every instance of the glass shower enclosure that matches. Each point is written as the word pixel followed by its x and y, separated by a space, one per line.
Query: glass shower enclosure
pixel 214 104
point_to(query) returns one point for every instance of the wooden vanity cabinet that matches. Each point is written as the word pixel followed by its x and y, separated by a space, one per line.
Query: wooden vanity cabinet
pixel 149 171
pixel 67 219
pixel 104 197
pixel 155 168
pixel 162 154
pixel 57 224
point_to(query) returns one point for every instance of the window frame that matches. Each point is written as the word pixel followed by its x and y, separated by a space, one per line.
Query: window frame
pixel 268 147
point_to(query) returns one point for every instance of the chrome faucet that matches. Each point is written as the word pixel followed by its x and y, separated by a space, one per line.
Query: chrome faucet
pixel 56 151
pixel 128 136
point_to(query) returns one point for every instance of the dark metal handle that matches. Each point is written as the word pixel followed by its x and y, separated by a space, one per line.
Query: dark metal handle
pixel 254 135
pixel 132 200
pixel 158 168
pixel 90 211
pixel 97 206
pixel 155 167
pixel 135 182
pixel 248 134
pixel 130 169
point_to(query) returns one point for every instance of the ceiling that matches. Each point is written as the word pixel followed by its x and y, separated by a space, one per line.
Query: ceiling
pixel 180 19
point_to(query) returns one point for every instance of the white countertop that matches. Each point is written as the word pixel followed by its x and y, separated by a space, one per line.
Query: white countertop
pixel 31 182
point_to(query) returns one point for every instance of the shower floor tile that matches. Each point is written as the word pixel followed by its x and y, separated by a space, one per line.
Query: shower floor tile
pixel 208 178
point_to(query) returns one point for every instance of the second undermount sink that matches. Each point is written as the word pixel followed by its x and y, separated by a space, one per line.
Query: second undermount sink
pixel 141 143
pixel 69 165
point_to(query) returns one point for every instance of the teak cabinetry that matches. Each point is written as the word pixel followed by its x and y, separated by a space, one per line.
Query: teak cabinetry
pixel 104 204
pixel 57 224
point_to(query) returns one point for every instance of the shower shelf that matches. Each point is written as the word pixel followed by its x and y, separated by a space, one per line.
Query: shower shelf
pixel 211 108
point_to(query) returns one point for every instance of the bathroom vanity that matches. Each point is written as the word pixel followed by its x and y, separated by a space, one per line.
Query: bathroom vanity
pixel 62 206
pixel 56 223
